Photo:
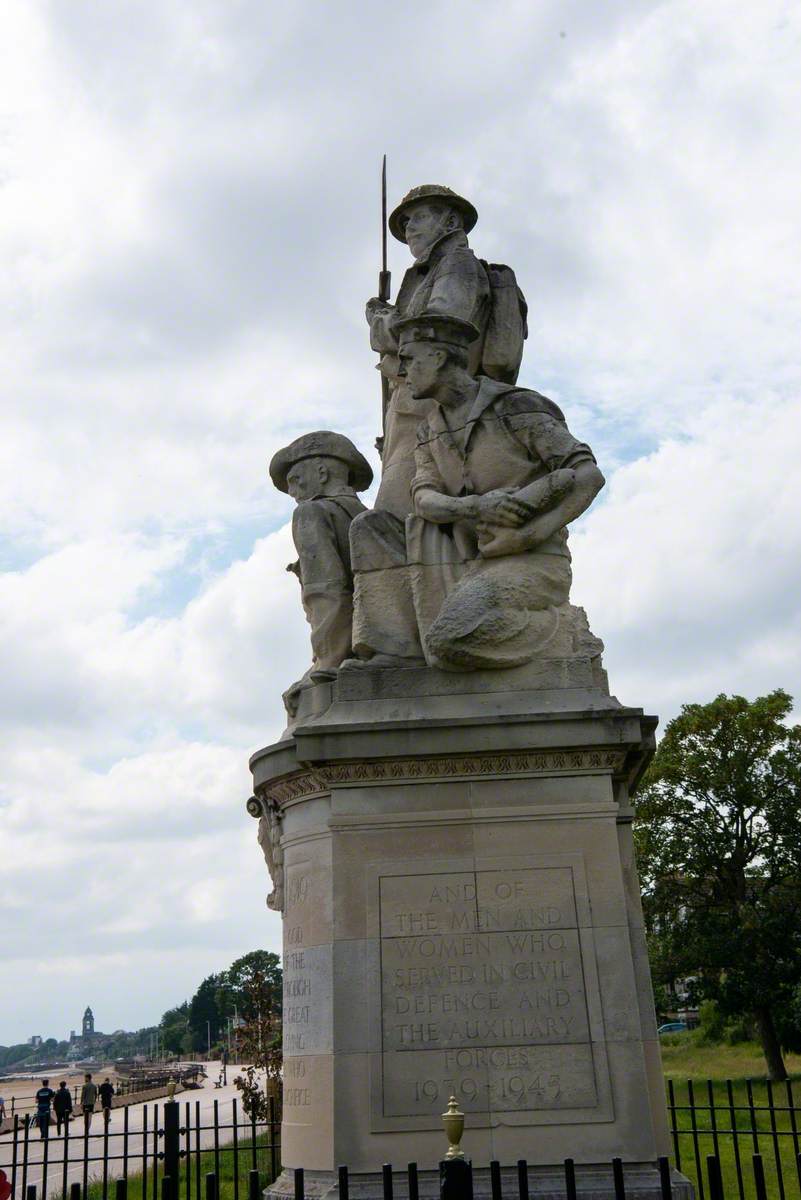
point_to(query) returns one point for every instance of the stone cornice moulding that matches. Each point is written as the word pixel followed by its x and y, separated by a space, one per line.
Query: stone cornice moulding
pixel 311 781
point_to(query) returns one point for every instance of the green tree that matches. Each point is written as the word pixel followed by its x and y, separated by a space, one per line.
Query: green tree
pixel 252 981
pixel 259 1034
pixel 228 994
pixel 14 1054
pixel 718 832
pixel 175 1034
pixel 204 1013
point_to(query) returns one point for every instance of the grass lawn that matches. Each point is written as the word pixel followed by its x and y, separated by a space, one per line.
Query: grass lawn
pixel 688 1063
pixel 685 1057
pixel 229 1187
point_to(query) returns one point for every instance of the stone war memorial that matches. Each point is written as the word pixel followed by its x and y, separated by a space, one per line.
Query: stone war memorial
pixel 447 816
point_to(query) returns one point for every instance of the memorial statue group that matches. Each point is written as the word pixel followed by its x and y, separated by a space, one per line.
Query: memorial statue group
pixel 463 562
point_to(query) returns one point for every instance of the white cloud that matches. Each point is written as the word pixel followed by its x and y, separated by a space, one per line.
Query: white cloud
pixel 143 878
pixel 690 568
pixel 188 224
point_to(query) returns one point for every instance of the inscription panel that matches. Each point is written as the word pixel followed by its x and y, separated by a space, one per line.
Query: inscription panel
pixel 483 993
pixel 308 977
pixel 306 1129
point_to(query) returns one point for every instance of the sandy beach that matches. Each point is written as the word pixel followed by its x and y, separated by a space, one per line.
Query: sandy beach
pixel 22 1089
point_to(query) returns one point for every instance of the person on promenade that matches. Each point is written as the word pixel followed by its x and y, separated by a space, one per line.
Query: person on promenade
pixel 44 1098
pixel 106 1091
pixel 88 1100
pixel 62 1106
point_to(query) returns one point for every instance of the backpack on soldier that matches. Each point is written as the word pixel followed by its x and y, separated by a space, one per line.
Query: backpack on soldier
pixel 507 327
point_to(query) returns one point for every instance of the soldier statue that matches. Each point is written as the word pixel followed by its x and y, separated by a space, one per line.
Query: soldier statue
pixel 447 278
pixel 463 563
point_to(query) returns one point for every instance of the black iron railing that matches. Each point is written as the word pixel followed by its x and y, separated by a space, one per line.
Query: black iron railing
pixel 735 1139
pixel 735 1122
pixel 174 1140
pixel 456 1182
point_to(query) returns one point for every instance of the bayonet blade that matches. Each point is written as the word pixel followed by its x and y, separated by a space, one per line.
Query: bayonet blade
pixel 384 214
pixel 384 276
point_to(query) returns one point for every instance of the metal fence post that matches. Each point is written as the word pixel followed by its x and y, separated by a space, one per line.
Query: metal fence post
pixel 715 1178
pixel 172 1146
pixel 759 1178
pixel 665 1185
pixel 522 1179
pixel 273 1147
pixel 570 1179
pixel 454 1179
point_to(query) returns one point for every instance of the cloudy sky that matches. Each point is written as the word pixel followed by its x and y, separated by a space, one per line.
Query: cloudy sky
pixel 189 229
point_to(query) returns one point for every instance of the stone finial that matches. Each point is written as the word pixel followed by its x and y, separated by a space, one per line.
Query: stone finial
pixel 453 1120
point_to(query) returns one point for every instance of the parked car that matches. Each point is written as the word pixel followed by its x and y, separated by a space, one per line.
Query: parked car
pixel 673 1027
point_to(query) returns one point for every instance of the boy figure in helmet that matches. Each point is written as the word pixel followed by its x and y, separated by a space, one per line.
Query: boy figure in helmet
pixel 323 472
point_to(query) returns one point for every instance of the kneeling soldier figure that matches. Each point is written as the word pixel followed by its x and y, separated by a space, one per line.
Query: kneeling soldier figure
pixel 479 575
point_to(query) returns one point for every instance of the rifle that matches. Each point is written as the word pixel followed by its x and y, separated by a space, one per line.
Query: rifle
pixel 384 279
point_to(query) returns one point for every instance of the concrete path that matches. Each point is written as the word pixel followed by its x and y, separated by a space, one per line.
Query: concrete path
pixel 206 1097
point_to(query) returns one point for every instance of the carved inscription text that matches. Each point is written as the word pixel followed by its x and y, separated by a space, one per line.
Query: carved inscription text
pixel 297 978
pixel 482 993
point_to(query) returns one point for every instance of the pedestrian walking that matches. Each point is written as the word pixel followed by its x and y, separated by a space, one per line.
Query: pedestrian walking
pixel 62 1106
pixel 44 1098
pixel 88 1101
pixel 106 1091
pixel 2 1108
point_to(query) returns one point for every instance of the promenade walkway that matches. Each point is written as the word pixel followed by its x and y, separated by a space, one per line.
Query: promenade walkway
pixel 53 1146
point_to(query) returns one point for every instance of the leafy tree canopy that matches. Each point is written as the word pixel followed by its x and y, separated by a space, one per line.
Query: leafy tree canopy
pixel 251 982
pixel 204 1013
pixel 718 833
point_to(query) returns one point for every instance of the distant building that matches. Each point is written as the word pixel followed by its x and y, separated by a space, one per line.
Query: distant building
pixel 35 1040
pixel 88 1025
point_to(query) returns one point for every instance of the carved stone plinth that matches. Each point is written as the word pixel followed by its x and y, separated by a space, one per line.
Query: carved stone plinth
pixel 462 916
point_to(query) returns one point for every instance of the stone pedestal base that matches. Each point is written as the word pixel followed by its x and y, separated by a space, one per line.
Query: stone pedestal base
pixel 462 917
pixel 544 1183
